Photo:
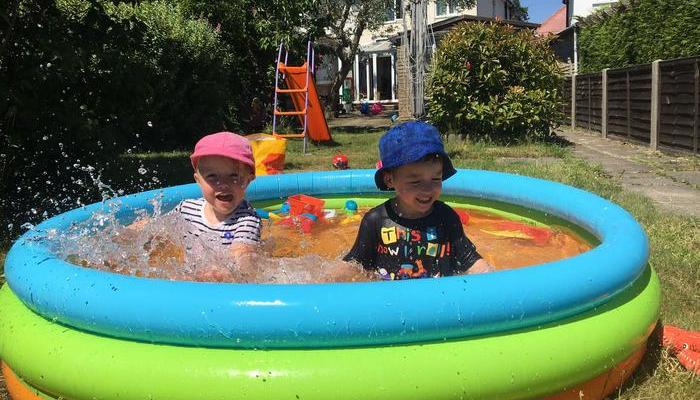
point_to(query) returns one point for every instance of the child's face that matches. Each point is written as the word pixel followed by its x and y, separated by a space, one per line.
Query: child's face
pixel 417 186
pixel 223 182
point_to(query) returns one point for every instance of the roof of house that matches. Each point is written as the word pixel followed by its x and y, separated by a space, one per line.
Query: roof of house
pixel 554 24
pixel 441 27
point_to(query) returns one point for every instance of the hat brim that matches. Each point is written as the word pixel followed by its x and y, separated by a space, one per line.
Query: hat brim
pixel 194 158
pixel 447 171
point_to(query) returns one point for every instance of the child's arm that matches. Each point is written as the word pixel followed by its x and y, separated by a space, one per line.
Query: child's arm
pixel 481 266
pixel 343 271
pixel 242 268
pixel 245 256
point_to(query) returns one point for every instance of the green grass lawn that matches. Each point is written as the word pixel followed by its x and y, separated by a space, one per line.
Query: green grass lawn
pixel 674 239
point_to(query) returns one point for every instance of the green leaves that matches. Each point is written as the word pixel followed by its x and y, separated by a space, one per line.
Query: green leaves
pixel 639 32
pixel 492 81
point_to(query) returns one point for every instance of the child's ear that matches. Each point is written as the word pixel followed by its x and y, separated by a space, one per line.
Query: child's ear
pixel 388 179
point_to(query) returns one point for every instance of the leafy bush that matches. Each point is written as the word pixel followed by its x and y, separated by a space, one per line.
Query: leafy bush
pixel 489 80
pixel 82 81
pixel 639 32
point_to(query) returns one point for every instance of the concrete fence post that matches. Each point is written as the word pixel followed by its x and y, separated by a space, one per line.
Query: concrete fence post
pixel 604 105
pixel 573 101
pixel 655 109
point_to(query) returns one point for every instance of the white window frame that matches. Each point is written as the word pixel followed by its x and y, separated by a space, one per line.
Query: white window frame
pixel 450 8
pixel 397 6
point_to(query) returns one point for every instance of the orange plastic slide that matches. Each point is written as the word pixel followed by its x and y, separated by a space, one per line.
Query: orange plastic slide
pixel 295 78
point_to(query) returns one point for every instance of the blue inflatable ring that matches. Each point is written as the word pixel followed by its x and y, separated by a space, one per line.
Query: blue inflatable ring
pixel 340 314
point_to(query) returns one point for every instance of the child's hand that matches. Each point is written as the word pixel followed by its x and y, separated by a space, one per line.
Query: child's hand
pixel 245 257
pixel 341 271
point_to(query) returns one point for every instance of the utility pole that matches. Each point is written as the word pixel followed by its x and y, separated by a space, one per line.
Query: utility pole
pixel 416 44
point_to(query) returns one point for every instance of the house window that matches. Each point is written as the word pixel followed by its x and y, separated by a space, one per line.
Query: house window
pixel 394 11
pixel 445 7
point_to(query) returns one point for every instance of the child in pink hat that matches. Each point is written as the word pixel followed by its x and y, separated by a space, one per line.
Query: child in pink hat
pixel 223 168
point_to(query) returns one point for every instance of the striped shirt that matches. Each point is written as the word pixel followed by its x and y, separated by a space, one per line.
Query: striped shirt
pixel 243 226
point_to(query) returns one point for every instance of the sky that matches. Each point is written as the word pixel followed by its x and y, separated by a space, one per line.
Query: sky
pixel 539 10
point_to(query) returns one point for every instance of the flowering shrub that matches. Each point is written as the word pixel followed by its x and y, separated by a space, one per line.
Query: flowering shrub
pixel 489 80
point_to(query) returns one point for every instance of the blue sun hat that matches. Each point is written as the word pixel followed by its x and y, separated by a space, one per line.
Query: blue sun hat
pixel 407 143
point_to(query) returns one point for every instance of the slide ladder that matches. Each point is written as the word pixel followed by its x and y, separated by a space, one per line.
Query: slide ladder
pixel 299 84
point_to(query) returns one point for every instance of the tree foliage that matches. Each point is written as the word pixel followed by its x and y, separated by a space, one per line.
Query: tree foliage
pixel 489 80
pixel 345 22
pixel 639 32
pixel 84 80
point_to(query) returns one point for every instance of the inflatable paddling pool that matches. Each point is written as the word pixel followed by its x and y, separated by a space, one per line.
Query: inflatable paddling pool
pixel 546 330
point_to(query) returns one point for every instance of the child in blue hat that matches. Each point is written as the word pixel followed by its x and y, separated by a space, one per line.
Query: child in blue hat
pixel 413 234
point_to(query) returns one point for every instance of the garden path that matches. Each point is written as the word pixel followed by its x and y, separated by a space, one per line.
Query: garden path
pixel 671 180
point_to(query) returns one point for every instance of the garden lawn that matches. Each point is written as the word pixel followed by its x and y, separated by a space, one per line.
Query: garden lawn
pixel 674 239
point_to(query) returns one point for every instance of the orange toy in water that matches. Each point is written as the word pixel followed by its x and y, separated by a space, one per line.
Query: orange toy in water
pixel 537 234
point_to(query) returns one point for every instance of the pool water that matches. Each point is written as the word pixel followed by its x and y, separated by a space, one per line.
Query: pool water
pixel 291 256
pixel 505 243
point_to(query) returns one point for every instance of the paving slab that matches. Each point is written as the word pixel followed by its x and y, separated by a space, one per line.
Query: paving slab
pixel 669 179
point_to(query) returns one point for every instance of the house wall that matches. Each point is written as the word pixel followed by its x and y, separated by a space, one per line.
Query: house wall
pixel 391 28
pixel 583 8
pixel 491 8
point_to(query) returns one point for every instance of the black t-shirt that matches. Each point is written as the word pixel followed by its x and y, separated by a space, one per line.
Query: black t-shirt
pixel 400 248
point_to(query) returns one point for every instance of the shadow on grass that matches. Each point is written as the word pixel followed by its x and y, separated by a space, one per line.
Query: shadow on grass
pixel 650 361
pixel 557 140
pixel 331 143
pixel 357 129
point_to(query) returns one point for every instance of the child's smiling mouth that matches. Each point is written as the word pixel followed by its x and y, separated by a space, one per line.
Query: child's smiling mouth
pixel 224 197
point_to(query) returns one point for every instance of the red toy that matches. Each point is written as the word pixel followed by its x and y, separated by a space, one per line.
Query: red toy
pixel 463 216
pixel 304 211
pixel 340 161
pixel 684 344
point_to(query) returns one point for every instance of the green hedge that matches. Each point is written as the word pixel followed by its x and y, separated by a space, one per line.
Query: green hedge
pixel 639 32
pixel 489 80
pixel 82 81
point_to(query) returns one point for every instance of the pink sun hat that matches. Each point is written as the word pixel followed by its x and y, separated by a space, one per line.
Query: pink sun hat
pixel 225 144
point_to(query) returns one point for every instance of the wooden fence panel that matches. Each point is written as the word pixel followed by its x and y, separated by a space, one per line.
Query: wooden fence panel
pixel 617 103
pixel 678 103
pixel 588 100
pixel 566 103
pixel 640 103
pixel 628 103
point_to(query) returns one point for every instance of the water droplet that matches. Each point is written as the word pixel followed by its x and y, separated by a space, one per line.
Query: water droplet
pixel 150 124
pixel 142 170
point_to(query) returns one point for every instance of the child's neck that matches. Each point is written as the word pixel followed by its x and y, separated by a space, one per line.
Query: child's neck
pixel 401 212
pixel 213 217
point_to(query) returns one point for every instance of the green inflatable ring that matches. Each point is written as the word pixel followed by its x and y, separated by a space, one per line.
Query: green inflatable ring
pixel 532 363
